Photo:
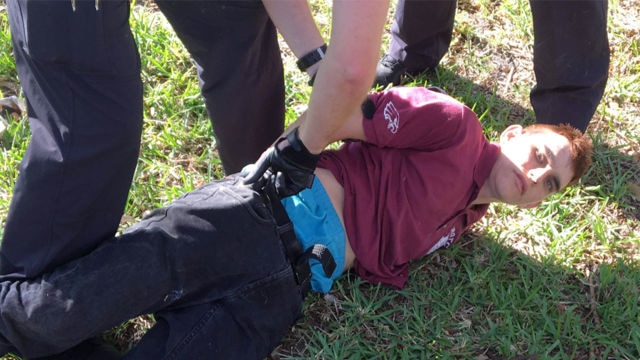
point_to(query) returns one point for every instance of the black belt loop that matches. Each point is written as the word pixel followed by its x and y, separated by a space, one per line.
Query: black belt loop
pixel 324 257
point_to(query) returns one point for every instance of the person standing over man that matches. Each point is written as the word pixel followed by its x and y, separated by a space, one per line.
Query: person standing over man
pixel 570 52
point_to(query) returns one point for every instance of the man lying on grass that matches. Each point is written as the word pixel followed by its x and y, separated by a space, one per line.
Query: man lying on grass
pixel 224 274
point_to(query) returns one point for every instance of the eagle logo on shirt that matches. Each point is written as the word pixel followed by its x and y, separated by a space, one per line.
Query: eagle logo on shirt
pixel 392 116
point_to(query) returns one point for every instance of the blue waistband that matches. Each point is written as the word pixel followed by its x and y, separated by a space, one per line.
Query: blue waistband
pixel 315 222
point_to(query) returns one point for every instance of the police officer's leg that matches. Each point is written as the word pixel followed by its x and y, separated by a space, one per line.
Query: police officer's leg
pixel 420 36
pixel 421 32
pixel 571 60
pixel 80 72
pixel 240 69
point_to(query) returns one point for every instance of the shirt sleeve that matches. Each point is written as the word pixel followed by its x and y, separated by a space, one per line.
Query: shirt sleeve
pixel 416 118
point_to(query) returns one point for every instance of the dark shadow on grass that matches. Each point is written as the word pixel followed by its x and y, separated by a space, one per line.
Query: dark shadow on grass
pixel 477 300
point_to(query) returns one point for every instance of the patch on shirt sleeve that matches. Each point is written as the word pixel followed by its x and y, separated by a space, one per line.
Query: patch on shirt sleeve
pixel 392 116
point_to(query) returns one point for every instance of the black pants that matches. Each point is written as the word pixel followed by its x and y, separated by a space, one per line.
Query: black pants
pixel 571 51
pixel 235 46
pixel 211 266
pixel 80 72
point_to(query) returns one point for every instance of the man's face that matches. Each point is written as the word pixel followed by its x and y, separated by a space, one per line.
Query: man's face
pixel 532 166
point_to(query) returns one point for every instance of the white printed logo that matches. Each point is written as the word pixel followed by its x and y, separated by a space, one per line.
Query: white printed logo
pixel 444 241
pixel 392 116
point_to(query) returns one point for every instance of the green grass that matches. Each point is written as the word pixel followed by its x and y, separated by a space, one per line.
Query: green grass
pixel 557 282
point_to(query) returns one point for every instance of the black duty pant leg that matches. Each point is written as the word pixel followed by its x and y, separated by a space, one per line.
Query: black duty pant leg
pixel 234 44
pixel 571 60
pixel 216 246
pixel 421 32
pixel 80 72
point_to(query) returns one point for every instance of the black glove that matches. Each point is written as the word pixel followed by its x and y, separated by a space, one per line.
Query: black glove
pixel 287 165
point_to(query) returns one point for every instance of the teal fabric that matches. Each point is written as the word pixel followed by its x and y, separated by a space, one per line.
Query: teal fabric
pixel 315 222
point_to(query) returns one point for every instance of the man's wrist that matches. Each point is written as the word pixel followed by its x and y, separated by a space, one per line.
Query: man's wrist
pixel 310 141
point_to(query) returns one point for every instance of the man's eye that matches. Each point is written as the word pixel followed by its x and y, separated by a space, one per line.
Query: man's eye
pixel 539 156
pixel 549 185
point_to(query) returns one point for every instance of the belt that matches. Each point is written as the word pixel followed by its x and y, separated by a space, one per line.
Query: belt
pixel 298 258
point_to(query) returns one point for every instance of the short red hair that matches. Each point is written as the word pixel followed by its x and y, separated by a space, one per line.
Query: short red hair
pixel 581 146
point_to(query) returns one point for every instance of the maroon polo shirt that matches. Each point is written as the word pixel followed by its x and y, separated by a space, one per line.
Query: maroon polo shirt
pixel 408 188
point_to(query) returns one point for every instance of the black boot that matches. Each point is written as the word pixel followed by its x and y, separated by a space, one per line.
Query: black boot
pixel 389 70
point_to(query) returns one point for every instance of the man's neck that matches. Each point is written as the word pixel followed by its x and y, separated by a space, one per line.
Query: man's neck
pixel 484 196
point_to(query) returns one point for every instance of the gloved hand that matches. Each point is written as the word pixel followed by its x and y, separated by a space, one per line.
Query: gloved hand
pixel 287 165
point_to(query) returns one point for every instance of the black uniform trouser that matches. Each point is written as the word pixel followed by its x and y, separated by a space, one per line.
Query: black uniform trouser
pixel 571 51
pixel 235 46
pixel 80 73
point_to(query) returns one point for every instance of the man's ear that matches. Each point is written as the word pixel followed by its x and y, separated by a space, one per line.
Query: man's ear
pixel 530 205
pixel 510 132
